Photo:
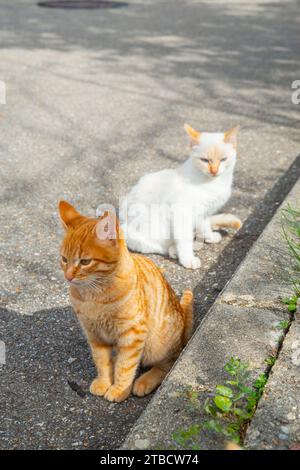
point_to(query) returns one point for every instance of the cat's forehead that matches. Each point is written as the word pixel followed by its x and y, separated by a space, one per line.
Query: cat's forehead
pixel 78 241
pixel 212 144
pixel 82 242
pixel 72 246
pixel 214 152
pixel 211 138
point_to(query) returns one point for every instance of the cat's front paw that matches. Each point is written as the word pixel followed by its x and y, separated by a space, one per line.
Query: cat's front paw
pixel 99 386
pixel 214 237
pixel 173 251
pixel 193 263
pixel 114 393
pixel 99 211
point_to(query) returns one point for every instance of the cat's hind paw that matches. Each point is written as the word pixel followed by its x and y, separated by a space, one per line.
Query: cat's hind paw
pixel 144 385
pixel 114 393
pixel 99 386
pixel 193 263
pixel 214 237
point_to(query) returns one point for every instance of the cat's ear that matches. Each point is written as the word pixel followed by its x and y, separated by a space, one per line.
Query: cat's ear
pixel 107 229
pixel 69 216
pixel 230 137
pixel 193 134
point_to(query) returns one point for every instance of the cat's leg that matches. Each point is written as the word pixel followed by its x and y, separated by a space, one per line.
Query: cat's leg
pixel 102 355
pixel 186 254
pixel 151 379
pixel 173 251
pixel 130 349
pixel 204 229
pixel 198 244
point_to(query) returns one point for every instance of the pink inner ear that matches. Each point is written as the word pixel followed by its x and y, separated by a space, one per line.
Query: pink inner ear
pixel 106 228
pixel 231 139
pixel 230 136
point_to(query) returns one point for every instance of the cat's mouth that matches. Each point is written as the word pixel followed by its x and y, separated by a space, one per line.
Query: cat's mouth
pixel 76 281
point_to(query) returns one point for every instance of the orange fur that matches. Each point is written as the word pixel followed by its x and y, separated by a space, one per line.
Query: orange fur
pixel 122 301
pixel 230 136
pixel 193 135
pixel 233 446
pixel 219 221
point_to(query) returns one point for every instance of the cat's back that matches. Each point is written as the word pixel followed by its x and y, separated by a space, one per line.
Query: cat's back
pixel 159 296
pixel 153 187
pixel 163 312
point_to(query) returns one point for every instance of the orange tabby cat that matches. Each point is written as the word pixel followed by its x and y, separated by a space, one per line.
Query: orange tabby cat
pixel 122 300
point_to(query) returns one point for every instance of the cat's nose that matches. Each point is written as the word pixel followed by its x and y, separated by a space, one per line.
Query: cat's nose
pixel 214 170
pixel 69 277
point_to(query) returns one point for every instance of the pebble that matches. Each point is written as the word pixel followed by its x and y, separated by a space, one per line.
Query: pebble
pixel 142 443
pixel 71 360
pixel 255 433
pixel 284 429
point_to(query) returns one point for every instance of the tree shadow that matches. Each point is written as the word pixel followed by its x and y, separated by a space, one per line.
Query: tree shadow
pixel 234 57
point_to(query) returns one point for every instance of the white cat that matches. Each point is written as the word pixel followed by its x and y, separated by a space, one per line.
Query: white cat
pixel 164 210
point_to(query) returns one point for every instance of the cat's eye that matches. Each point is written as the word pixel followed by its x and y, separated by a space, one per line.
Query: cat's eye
pixel 85 261
pixel 223 159
pixel 204 160
pixel 64 259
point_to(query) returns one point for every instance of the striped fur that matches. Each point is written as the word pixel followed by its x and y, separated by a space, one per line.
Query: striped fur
pixel 123 302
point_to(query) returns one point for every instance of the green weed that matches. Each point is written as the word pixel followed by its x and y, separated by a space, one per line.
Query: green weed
pixel 228 410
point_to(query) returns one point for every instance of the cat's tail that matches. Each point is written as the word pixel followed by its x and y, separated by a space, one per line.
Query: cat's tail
pixel 186 303
pixel 233 446
pixel 225 221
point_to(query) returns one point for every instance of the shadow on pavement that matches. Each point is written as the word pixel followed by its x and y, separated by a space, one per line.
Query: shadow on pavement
pixel 44 398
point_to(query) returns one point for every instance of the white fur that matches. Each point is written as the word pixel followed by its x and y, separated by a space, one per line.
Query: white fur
pixel 189 185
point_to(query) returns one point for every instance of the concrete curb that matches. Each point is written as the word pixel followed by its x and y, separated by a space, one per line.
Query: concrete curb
pixel 242 323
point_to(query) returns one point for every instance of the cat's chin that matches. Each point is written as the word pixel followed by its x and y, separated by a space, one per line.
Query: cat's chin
pixel 78 283
pixel 211 177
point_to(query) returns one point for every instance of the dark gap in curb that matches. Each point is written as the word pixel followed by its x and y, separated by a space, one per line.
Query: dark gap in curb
pixel 234 253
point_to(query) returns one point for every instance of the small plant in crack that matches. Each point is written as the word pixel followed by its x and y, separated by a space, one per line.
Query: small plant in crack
pixel 291 231
pixel 283 325
pixel 188 438
pixel 291 303
pixel 234 403
pixel 229 409
pixel 270 361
